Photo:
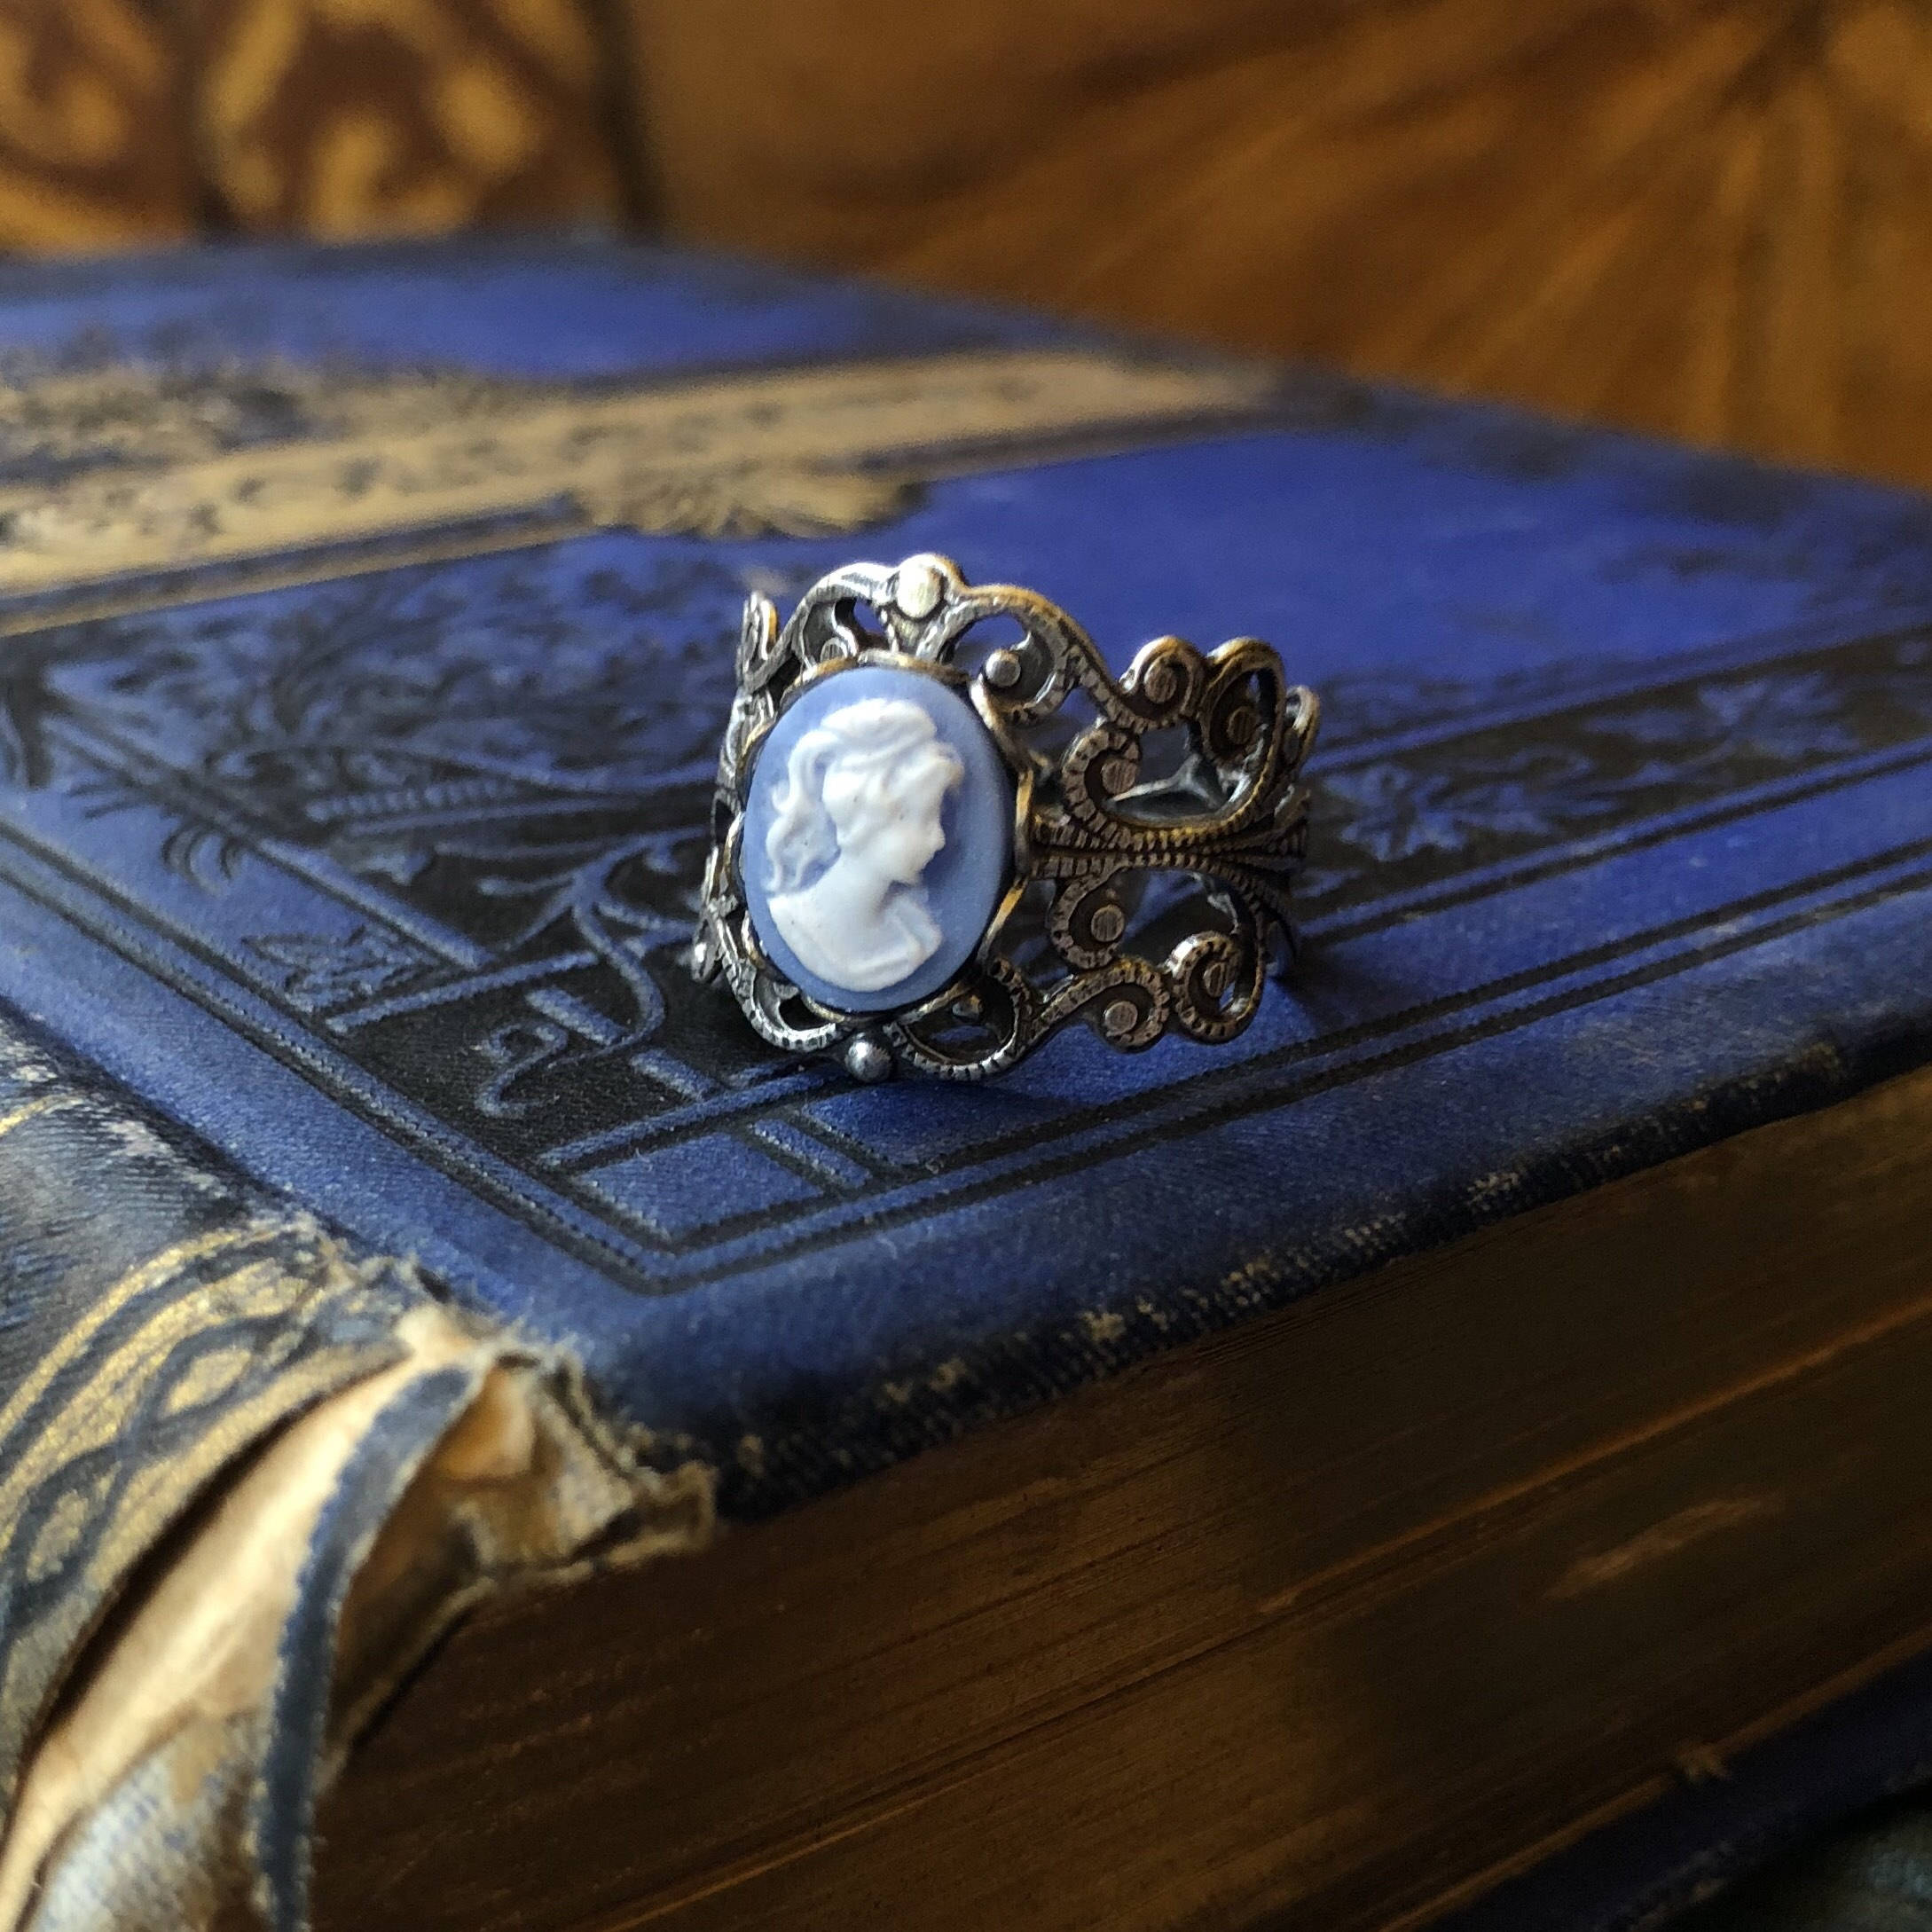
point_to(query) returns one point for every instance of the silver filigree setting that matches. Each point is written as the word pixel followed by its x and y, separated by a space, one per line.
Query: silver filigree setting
pixel 1140 901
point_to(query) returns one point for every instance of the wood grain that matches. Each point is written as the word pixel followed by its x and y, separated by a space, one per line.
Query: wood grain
pixel 1330 1624
pixel 340 118
pixel 1704 217
pixel 94 149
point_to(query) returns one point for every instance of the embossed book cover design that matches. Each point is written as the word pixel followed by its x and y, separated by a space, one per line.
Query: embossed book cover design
pixel 367 627
pixel 369 624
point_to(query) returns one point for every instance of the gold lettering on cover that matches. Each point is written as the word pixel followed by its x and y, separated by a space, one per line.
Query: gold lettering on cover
pixel 799 450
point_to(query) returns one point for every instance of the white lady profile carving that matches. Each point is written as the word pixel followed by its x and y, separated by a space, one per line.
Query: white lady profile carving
pixel 855 822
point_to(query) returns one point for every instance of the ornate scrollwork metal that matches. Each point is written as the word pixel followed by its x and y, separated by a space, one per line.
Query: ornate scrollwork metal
pixel 1140 901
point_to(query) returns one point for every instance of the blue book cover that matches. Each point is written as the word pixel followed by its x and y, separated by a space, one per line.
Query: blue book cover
pixel 367 627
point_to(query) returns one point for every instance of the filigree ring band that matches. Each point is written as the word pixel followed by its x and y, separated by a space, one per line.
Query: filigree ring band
pixel 934 847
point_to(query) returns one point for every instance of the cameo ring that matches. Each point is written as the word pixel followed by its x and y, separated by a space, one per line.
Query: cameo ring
pixel 933 847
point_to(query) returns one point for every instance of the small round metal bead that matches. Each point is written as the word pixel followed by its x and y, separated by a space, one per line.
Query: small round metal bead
pixel 1001 669
pixel 868 1059
pixel 918 586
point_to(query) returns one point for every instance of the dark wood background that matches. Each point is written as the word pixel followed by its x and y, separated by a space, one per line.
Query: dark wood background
pixel 1708 217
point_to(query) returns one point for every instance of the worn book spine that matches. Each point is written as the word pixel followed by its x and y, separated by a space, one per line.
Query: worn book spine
pixel 248 1471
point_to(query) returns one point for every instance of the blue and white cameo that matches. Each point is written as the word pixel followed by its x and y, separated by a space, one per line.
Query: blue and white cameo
pixel 877 837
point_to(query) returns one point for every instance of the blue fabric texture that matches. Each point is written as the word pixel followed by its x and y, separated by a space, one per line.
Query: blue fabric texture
pixel 377 878
pixel 352 819
pixel 161 1318
pixel 164 1321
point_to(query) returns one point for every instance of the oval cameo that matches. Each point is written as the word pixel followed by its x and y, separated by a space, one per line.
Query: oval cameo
pixel 878 838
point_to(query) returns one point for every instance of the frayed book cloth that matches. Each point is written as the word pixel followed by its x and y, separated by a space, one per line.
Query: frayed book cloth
pixel 247 1475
